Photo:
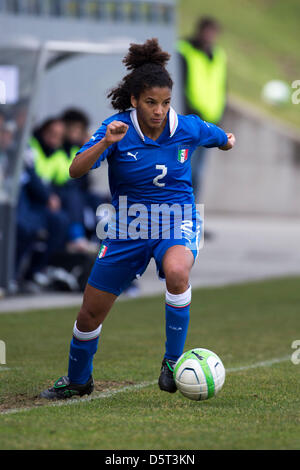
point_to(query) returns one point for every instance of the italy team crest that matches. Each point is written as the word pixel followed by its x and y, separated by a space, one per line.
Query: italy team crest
pixel 183 155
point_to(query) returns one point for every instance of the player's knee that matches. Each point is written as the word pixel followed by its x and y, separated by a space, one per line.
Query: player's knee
pixel 177 277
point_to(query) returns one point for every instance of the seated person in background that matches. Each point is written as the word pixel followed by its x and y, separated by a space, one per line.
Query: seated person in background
pixel 39 214
pixel 46 143
pixel 52 165
pixel 76 134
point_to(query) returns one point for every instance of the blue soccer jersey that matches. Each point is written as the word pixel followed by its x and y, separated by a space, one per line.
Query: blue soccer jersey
pixel 149 171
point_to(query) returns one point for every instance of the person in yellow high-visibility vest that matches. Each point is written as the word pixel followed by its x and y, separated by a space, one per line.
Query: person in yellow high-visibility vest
pixel 52 162
pixel 77 124
pixel 203 66
pixel 50 159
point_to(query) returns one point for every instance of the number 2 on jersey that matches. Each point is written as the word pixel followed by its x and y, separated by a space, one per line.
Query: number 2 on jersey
pixel 164 171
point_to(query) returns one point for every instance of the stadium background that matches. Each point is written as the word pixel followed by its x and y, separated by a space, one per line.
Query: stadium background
pixel 251 195
pixel 267 153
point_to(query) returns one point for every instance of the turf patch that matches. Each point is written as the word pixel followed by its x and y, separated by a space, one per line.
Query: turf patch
pixel 22 400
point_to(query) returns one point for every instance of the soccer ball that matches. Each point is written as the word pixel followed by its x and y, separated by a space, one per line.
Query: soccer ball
pixel 276 92
pixel 199 374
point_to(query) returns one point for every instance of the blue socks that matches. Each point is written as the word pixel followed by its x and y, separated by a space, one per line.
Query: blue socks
pixel 82 350
pixel 177 322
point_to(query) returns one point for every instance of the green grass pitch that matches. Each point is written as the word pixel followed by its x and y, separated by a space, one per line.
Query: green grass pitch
pixel 247 324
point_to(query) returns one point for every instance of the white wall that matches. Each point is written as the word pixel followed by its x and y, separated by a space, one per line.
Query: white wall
pixel 261 175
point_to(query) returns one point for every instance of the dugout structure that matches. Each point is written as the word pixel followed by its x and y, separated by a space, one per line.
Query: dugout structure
pixel 25 66
pixel 57 54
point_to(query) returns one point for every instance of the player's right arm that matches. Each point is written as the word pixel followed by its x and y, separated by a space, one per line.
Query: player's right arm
pixel 84 161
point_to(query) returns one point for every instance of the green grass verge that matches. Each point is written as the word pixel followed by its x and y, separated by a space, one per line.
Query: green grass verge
pixel 244 324
pixel 261 38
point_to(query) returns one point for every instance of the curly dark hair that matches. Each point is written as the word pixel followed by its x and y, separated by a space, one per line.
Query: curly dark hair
pixel 147 64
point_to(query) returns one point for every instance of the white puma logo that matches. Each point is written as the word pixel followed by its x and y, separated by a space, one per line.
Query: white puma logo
pixel 132 155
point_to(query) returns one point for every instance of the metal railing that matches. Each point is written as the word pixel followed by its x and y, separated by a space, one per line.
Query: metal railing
pixel 97 10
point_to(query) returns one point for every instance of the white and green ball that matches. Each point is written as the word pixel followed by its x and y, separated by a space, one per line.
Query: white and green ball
pixel 199 374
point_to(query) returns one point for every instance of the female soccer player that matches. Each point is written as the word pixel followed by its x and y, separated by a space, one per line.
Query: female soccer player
pixel 148 147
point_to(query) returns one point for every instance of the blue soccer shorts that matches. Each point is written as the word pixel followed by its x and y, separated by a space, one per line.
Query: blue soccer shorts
pixel 119 262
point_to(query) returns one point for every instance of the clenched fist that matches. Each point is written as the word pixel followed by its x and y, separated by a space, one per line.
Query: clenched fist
pixel 230 143
pixel 115 132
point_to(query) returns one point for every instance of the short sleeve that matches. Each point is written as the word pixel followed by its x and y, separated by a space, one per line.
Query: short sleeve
pixel 208 134
pixel 99 134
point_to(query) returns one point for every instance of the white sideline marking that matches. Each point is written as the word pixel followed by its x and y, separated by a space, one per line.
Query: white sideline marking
pixel 111 393
pixel 4 368
pixel 268 363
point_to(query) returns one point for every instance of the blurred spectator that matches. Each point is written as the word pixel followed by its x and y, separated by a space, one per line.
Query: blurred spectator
pixel 52 165
pixel 39 217
pixel 76 125
pixel 46 142
pixel 203 67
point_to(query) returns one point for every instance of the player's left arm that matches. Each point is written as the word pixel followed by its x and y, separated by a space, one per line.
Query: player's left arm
pixel 230 142
pixel 210 135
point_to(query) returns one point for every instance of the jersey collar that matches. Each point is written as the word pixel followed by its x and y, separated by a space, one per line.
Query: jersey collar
pixel 173 122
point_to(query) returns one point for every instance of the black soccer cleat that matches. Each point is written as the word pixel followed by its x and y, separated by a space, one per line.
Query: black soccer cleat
pixel 63 389
pixel 166 380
